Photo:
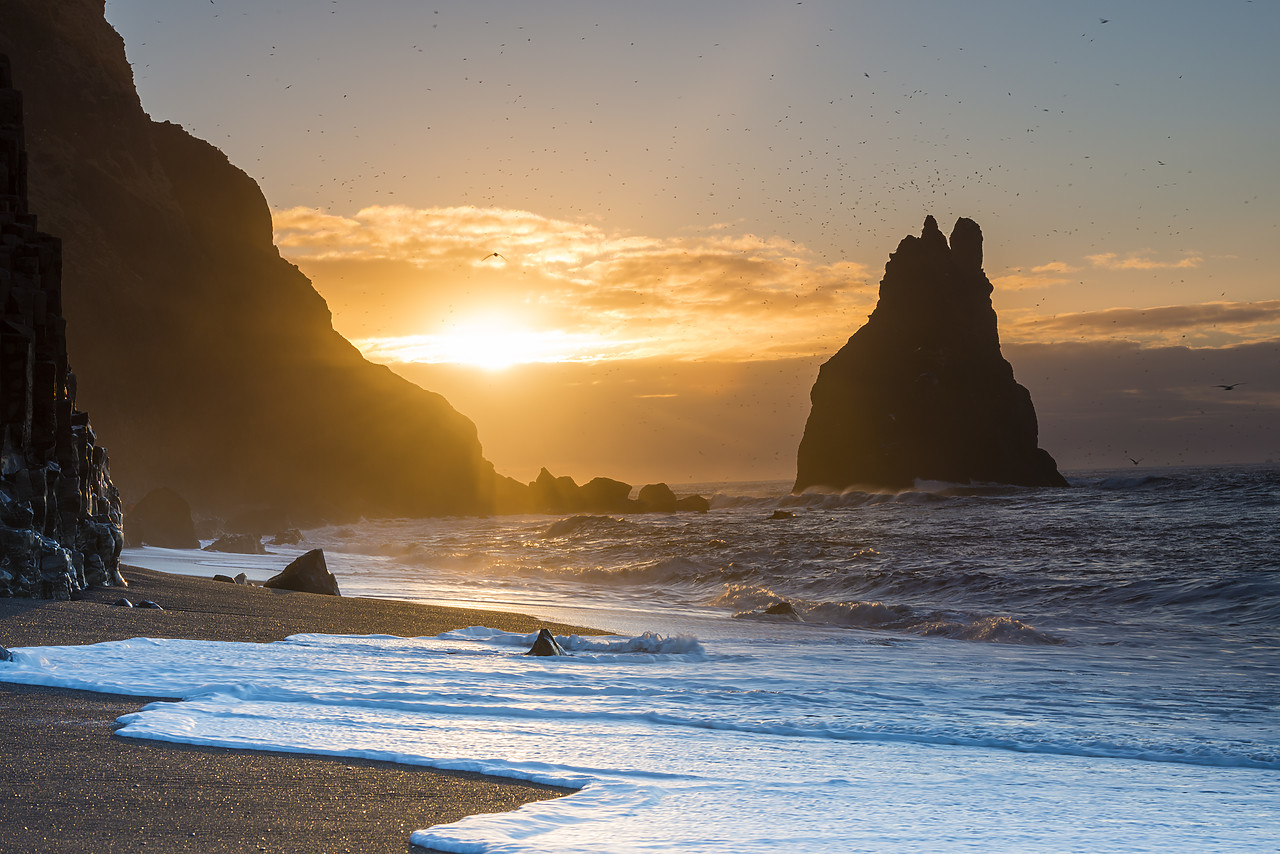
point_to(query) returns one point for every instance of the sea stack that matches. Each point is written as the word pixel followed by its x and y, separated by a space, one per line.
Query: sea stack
pixel 60 520
pixel 922 392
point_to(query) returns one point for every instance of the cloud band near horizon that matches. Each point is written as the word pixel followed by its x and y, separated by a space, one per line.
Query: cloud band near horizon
pixel 498 286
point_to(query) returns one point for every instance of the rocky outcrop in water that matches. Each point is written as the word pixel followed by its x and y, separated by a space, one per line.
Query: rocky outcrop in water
pixel 551 494
pixel 241 544
pixel 545 644
pixel 208 360
pixel 922 392
pixel 60 520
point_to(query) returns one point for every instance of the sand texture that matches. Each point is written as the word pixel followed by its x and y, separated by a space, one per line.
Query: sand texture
pixel 69 785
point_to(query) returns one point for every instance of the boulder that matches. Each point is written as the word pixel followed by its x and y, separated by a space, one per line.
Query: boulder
pixel 244 544
pixel 553 494
pixel 307 574
pixel 291 537
pixel 162 518
pixel 545 644
pixel 606 495
pixel 657 498
pixel 693 504
pixel 921 391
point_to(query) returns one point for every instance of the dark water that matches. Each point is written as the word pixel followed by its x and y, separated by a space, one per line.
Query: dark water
pixel 950 668
pixel 1168 556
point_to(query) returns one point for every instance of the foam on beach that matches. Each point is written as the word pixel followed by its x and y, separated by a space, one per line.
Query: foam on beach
pixel 678 745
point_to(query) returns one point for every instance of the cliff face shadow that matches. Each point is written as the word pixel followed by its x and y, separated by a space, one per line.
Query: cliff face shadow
pixel 210 363
pixel 59 511
pixel 922 392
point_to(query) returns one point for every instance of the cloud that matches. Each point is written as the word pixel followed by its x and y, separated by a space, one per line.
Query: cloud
pixel 1199 324
pixel 570 287
pixel 1054 267
pixel 1056 273
pixel 1140 261
pixel 1101 402
pixel 1041 276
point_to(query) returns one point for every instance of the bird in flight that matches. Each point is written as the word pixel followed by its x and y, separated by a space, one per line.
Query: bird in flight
pixel 1104 20
pixel 494 255
pixel 1135 462
pixel 1228 387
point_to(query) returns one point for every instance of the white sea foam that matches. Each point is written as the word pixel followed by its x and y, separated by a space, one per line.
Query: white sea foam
pixel 808 744
pixel 884 719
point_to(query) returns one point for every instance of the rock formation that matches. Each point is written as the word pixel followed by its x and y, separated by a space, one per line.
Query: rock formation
pixel 545 644
pixel 657 498
pixel 59 512
pixel 162 518
pixel 922 392
pixel 306 574
pixel 209 362
pixel 557 495
pixel 242 544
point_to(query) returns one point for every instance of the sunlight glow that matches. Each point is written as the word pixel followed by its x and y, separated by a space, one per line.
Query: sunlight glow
pixel 490 345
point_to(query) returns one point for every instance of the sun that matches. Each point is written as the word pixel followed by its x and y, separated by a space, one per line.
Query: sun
pixel 491 343
pixel 493 347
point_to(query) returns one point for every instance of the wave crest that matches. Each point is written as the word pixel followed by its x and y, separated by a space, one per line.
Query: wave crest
pixel 757 602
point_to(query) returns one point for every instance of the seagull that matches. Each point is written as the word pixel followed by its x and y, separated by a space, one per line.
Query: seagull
pixel 494 255
pixel 1135 462
pixel 1228 387
pixel 1104 20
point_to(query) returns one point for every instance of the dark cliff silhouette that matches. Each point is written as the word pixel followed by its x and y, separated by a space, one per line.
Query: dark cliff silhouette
pixel 59 512
pixel 210 363
pixel 922 392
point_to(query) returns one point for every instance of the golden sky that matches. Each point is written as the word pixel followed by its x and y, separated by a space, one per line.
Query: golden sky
pixel 692 204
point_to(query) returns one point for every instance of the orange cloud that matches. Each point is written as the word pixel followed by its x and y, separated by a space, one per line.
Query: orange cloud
pixel 1041 276
pixel 1054 267
pixel 1139 261
pixel 569 290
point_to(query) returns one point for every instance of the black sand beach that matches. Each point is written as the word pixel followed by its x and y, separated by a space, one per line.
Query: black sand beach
pixel 70 785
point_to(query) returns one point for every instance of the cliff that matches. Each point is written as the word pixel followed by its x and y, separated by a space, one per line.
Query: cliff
pixel 59 511
pixel 210 363
pixel 922 392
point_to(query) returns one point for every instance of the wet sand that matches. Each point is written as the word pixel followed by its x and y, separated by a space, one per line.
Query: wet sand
pixel 68 784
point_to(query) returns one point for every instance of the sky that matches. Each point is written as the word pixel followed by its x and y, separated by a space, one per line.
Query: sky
pixel 622 237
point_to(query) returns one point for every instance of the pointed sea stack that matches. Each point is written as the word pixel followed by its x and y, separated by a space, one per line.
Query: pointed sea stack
pixel 59 512
pixel 922 392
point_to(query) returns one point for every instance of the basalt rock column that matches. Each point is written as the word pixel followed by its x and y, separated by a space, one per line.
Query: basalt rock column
pixel 60 520
pixel 922 392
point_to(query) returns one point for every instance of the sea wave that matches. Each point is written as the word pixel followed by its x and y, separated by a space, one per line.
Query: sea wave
pixel 1144 481
pixel 755 602
pixel 673 647
pixel 592 525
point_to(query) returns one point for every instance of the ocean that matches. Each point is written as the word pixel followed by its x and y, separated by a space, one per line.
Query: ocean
pixel 951 668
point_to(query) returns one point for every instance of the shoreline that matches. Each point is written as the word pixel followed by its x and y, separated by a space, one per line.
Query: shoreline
pixel 72 786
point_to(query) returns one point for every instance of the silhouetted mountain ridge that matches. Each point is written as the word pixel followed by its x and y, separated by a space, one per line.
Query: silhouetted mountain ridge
pixel 210 363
